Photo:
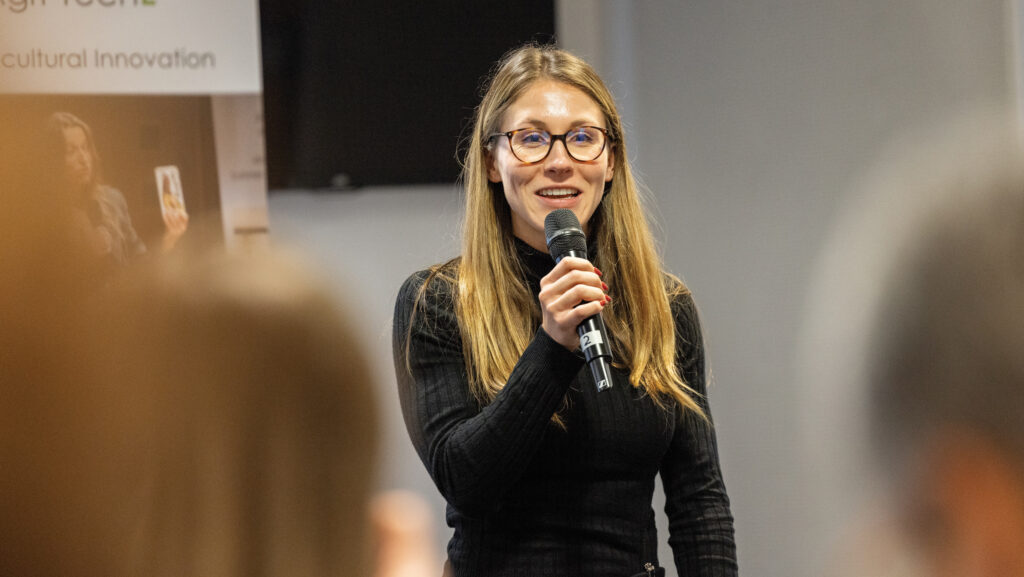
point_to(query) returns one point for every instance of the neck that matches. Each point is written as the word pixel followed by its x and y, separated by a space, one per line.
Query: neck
pixel 533 241
pixel 78 194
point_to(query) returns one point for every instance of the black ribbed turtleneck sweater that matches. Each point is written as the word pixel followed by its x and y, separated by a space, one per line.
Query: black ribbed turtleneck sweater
pixel 527 498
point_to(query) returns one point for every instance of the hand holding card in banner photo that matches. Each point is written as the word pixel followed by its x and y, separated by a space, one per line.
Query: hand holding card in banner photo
pixel 172 204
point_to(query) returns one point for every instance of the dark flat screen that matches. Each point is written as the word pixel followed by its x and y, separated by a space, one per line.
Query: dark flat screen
pixel 380 93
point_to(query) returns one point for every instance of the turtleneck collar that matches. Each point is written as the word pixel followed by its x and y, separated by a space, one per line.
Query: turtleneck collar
pixel 537 264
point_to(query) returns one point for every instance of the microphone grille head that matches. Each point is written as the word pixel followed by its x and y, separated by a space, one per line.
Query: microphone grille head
pixel 563 233
pixel 559 219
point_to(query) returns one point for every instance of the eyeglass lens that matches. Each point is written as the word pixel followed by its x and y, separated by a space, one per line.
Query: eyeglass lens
pixel 583 144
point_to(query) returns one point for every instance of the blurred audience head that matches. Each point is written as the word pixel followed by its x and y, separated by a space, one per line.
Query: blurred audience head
pixel 947 368
pixel 911 359
pixel 264 441
pixel 212 415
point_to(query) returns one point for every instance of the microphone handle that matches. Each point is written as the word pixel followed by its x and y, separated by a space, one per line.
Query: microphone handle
pixel 595 345
pixel 596 350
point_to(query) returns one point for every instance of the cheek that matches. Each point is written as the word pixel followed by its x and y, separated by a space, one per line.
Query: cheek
pixel 503 169
pixel 516 177
pixel 598 175
pixel 609 168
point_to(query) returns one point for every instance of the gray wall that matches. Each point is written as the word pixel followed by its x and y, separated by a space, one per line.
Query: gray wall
pixel 749 122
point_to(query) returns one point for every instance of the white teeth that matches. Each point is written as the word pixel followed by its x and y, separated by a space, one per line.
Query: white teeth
pixel 558 192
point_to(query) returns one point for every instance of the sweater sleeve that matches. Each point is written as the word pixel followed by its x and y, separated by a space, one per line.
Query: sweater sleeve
pixel 700 520
pixel 473 453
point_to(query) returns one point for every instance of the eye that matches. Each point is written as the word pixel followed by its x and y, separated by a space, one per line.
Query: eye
pixel 582 136
pixel 532 138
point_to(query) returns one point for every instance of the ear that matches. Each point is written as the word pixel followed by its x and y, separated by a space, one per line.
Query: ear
pixel 493 174
pixel 610 171
pixel 978 486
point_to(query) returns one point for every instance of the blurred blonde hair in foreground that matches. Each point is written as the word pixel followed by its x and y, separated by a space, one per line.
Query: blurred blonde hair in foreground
pixel 927 361
pixel 264 428
pixel 210 415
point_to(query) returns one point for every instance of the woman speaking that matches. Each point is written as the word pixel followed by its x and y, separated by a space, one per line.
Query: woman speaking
pixel 543 474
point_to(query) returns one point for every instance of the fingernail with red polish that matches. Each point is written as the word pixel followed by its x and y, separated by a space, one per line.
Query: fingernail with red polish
pixel 604 286
pixel 598 271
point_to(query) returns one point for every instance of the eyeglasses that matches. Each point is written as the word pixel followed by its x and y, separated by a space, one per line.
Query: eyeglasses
pixel 530 145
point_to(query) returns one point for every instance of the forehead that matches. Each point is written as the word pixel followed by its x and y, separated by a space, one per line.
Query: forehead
pixel 74 135
pixel 547 103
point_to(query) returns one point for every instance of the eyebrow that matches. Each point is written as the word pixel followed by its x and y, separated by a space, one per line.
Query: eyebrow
pixel 537 123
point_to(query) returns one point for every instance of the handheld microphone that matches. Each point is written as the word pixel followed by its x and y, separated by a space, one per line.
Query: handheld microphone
pixel 565 238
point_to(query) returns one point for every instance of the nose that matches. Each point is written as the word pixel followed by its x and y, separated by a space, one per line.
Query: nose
pixel 558 159
pixel 78 156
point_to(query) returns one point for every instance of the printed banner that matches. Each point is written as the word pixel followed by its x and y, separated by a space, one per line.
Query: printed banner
pixel 129 46
pixel 153 109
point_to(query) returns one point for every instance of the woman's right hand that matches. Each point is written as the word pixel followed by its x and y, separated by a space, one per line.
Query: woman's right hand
pixel 175 223
pixel 573 281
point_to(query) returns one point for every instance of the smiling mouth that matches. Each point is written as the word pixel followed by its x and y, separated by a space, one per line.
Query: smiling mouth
pixel 555 193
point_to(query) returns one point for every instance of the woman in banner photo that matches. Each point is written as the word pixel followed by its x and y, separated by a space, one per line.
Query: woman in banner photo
pixel 543 474
pixel 101 214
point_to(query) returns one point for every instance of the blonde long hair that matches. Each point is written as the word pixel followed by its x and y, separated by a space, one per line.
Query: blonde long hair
pixel 494 306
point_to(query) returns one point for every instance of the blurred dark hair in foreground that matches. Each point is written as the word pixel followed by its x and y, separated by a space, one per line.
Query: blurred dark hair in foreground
pixel 948 347
pixel 917 356
pixel 947 370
